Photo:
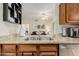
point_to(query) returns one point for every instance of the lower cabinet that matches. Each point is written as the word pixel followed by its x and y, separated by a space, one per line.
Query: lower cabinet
pixel 6 48
pixel 26 48
pixel 29 50
pixel 49 47
pixel 49 50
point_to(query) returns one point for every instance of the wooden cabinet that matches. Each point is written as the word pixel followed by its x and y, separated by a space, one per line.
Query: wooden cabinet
pixel 8 48
pixel 26 48
pixel 69 13
pixel 62 15
pixel 29 49
pixel 48 48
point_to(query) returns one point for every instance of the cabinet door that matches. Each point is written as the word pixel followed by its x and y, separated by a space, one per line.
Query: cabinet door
pixel 48 47
pixel 62 15
pixel 72 13
pixel 26 48
pixel 6 48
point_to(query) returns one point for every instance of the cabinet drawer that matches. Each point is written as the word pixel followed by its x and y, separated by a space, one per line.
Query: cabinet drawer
pixel 48 54
pixel 24 48
pixel 8 54
pixel 8 48
pixel 48 47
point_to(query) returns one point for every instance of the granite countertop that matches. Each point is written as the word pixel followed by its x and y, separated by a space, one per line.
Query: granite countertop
pixel 58 39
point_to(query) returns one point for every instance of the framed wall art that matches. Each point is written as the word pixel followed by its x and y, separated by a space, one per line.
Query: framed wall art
pixel 12 12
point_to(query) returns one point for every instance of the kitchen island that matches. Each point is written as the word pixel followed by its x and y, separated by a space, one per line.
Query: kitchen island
pixel 13 45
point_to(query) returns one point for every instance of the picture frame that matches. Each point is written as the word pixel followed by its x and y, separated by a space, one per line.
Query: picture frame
pixel 12 12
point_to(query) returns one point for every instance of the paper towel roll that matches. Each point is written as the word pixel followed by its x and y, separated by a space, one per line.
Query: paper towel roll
pixel 22 30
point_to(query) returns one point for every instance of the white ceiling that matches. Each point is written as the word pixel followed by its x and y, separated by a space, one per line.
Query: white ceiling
pixel 38 10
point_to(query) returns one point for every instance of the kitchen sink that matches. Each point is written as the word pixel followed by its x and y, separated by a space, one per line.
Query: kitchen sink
pixel 39 37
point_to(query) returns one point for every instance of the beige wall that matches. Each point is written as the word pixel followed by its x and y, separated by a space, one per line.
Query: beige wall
pixel 5 27
pixel 32 11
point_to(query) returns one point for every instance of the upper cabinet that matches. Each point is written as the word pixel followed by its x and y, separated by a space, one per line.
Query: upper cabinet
pixel 62 14
pixel 69 13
